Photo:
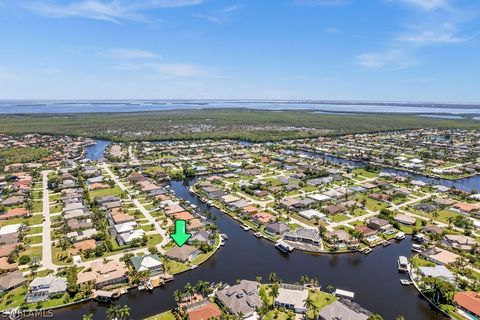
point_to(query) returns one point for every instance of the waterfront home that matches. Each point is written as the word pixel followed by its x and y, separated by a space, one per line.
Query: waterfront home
pixel 339 237
pixel 202 236
pixel 292 297
pixel 102 274
pixel 203 310
pixel 343 309
pixel 151 263
pixel 378 224
pixel 440 256
pixel 438 271
pixel 311 214
pixel 11 281
pixel 277 228
pixel 366 231
pixel 459 241
pixel 242 298
pixel 262 218
pixel 44 288
pixel 432 229
pixel 183 254
pixel 405 219
pixel 468 302
pixel 303 235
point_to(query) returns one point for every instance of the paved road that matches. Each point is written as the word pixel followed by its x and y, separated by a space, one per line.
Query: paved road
pixel 46 227
pixel 142 209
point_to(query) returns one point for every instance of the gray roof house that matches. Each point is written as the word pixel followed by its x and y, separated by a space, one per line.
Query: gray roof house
pixel 241 298
pixel 42 288
pixel 11 281
pixel 343 309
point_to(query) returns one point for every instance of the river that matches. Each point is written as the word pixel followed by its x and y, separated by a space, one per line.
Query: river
pixel 374 278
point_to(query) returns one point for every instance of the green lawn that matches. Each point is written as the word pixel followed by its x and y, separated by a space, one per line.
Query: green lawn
pixel 338 218
pixel 115 191
pixel 278 315
pixel 33 220
pixel 167 315
pixel 321 300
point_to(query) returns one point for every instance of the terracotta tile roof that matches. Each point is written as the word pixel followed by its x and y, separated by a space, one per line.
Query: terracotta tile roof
pixel 206 312
pixel 468 300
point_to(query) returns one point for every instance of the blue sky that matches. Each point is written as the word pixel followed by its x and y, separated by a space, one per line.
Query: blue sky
pixel 409 50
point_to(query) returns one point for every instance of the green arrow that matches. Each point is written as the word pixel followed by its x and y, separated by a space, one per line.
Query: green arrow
pixel 180 236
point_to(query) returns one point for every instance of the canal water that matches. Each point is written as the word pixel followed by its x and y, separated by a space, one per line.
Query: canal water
pixel 374 278
pixel 96 151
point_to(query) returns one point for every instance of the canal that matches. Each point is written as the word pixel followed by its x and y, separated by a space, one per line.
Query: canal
pixel 374 278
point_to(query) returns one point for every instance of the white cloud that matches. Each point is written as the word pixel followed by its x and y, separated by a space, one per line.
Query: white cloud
pixel 390 59
pixel 427 4
pixel 113 10
pixel 445 33
pixel 128 53
pixel 221 16
pixel 181 70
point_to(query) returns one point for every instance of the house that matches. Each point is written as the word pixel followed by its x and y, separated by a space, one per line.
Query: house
pixel 303 235
pixel 203 310
pixel 11 281
pixel 151 262
pixel 440 256
pixel 466 207
pixel 241 298
pixel 468 302
pixel 183 254
pixel 405 219
pixel 378 224
pixel 311 214
pixel 43 288
pixel 6 266
pixel 340 236
pixel 366 231
pixel 202 237
pixel 438 271
pixel 262 218
pixel 15 213
pixel 460 242
pixel 103 274
pixel 292 297
pixel 128 237
pixel 343 309
pixel 426 207
pixel 277 228
pixel 333 209
pixel 379 197
pixel 84 245
pixel 319 197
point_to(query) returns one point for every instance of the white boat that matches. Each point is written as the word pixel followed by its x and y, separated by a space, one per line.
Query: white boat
pixel 417 247
pixel 193 267
pixel 246 228
pixel 406 282
pixel 222 241
pixel 400 236
pixel 258 234
pixel 367 250
pixel 284 247
pixel 344 294
pixel 149 285
pixel 402 264
pixel 386 243
pixel 224 236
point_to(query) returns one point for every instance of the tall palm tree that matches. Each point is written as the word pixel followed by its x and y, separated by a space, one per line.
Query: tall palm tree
pixel 113 312
pixel 88 316
pixel 177 295
pixel 310 306
pixel 203 287
pixel 124 312
pixel 272 277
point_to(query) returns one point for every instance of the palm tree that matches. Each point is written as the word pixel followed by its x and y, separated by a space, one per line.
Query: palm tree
pixel 113 312
pixel 203 287
pixel 177 295
pixel 435 214
pixel 273 277
pixel 124 312
pixel 274 291
pixel 310 306
pixel 88 316
pixel 258 279
pixel 189 290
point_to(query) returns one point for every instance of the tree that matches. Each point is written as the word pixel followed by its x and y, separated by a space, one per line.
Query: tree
pixel 178 295
pixel 272 277
pixel 124 312
pixel 274 291
pixel 203 287
pixel 310 306
pixel 113 312
pixel 88 316
pixel 375 317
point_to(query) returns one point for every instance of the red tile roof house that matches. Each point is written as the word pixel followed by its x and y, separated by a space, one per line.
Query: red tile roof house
pixel 366 231
pixel 263 218
pixel 468 302
pixel 466 207
pixel 15 213
pixel 379 196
